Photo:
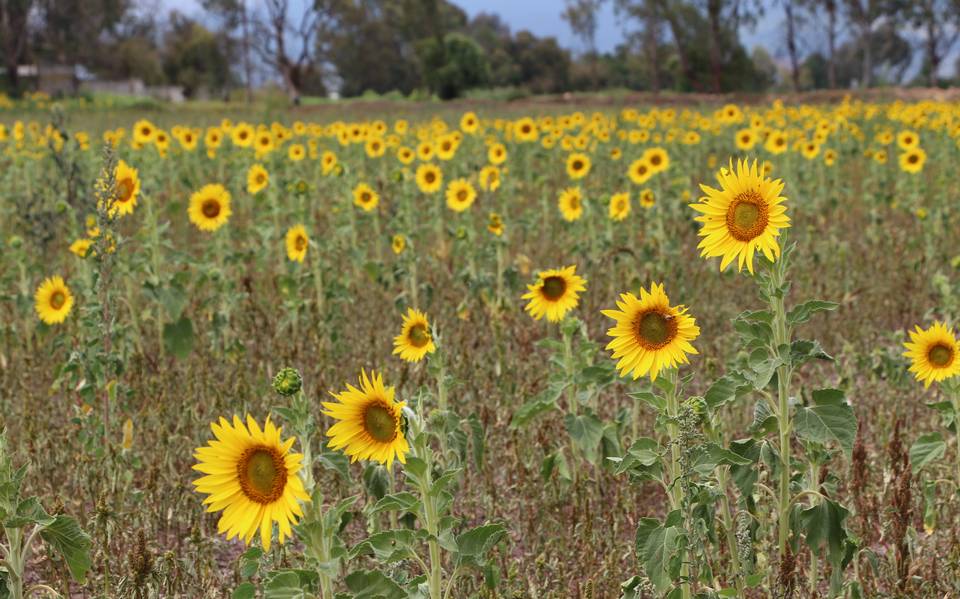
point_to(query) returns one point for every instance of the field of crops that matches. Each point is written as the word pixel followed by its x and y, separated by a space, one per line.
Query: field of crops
pixel 626 352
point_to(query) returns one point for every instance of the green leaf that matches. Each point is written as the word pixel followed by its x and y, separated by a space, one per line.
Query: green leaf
pixel 926 449
pixel 371 584
pixel 823 529
pixel 801 313
pixel 804 350
pixel 474 544
pixel 245 590
pixel 831 419
pixel 651 399
pixel 659 544
pixel 66 536
pixel 540 404
pixel 713 455
pixel 387 547
pixel 250 562
pixel 586 430
pixel 398 502
pixel 290 584
pixel 29 511
pixel 178 337
pixel 726 389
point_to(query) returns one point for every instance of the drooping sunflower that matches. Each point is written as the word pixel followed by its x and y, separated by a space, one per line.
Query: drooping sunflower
pixel 495 224
pixel 257 179
pixel 297 243
pixel 460 195
pixel 81 246
pixel 647 199
pixel 53 300
pixel 640 171
pixel 365 197
pixel 650 335
pixel 619 206
pixel 571 203
pixel 933 353
pixel 210 207
pixel 429 178
pixel 489 178
pixel 252 476
pixel 745 215
pixel 328 161
pixel 578 165
pixel 555 293
pixel 414 341
pixel 398 244
pixel 912 160
pixel 370 422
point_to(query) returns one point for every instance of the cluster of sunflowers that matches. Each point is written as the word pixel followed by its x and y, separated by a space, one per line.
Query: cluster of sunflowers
pixel 251 473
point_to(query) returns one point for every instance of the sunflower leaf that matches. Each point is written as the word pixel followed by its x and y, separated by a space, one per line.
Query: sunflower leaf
pixel 474 545
pixel 65 535
pixel 831 419
pixel 926 449
pixel 801 313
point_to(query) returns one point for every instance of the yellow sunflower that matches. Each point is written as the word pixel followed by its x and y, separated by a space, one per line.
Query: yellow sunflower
pixel 53 300
pixel 776 143
pixel 933 353
pixel 257 179
pixel 497 154
pixel 398 244
pixel 619 206
pixel 907 140
pixel 912 160
pixel 495 224
pixel 578 165
pixel 297 243
pixel 81 246
pixel 460 195
pixel 490 178
pixel 296 152
pixel 429 178
pixel 414 341
pixel 365 197
pixel 647 199
pixel 370 423
pixel 251 476
pixel 745 215
pixel 555 293
pixel 640 171
pixel 143 131
pixel 745 139
pixel 658 159
pixel 242 135
pixel 650 334
pixel 126 189
pixel 210 207
pixel 571 203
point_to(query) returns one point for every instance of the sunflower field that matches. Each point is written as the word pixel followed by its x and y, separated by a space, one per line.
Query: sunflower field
pixel 499 351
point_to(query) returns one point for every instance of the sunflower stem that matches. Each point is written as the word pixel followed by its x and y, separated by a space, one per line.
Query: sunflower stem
pixel 431 522
pixel 14 562
pixel 571 391
pixel 676 473
pixel 955 400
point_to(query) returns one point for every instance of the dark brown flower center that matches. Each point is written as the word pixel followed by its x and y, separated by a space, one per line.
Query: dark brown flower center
pixel 210 208
pixel 940 355
pixel 419 337
pixel 300 243
pixel 577 165
pixel 262 474
pixel 462 195
pixel 380 422
pixel 57 300
pixel 747 216
pixel 655 159
pixel 554 287
pixel 430 177
pixel 655 329
pixel 124 190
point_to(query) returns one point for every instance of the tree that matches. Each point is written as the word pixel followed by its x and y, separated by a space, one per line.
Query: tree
pixel 581 15
pixel 647 13
pixel 456 67
pixel 14 33
pixel 939 20
pixel 863 15
pixel 234 20
pixel 791 30
pixel 192 56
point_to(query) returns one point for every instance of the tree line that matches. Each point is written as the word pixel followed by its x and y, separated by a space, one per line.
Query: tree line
pixel 433 46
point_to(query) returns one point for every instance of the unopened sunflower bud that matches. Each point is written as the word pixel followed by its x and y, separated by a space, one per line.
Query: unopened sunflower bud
pixel 287 382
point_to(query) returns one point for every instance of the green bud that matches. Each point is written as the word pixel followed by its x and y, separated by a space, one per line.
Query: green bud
pixel 15 241
pixel 287 382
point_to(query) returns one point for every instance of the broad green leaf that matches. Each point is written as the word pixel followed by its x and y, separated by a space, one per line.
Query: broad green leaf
pixel 290 584
pixel 371 584
pixel 398 502
pixel 29 511
pixel 713 455
pixel 823 529
pixel 387 547
pixel 586 430
pixel 726 389
pixel 651 399
pixel 926 449
pixel 474 544
pixel 245 590
pixel 66 536
pixel 801 313
pixel 178 337
pixel 831 419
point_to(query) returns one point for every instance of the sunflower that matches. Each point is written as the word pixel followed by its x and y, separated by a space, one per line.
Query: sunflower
pixel 365 197
pixel 297 243
pixel 370 423
pixel 619 206
pixel 398 244
pixel 744 215
pixel 658 159
pixel 490 178
pixel 81 246
pixel 745 139
pixel 296 152
pixel 447 147
pixel 328 161
pixel 571 203
pixel 640 171
pixel 650 334
pixel 242 135
pixel 251 476
pixel 776 143
pixel 429 178
pixel 525 129
pixel 495 224
pixel 578 165
pixel 554 294
pixel 912 160
pixel 497 154
pixel 460 195
pixel 647 199
pixel 414 341
pixel 53 300
pixel 126 189
pixel 908 140
pixel 257 179
pixel 405 155
pixel 143 131
pixel 469 122
pixel 210 207
pixel 933 353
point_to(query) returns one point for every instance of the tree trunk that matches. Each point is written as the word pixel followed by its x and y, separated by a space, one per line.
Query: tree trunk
pixel 713 11
pixel 792 45
pixel 247 68
pixel 676 30
pixel 831 7
pixel 867 42
pixel 653 52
